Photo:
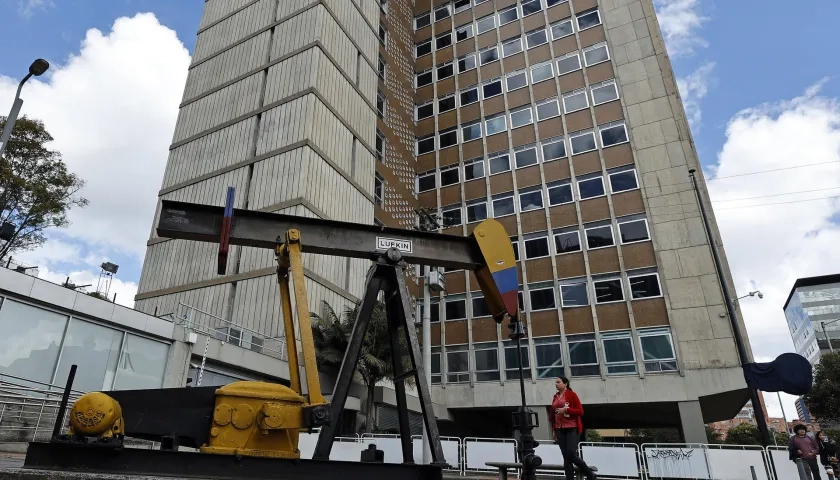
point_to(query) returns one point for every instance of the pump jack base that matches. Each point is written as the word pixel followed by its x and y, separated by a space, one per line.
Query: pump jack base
pixel 130 461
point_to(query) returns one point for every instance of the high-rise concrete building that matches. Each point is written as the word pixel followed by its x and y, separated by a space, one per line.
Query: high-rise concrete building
pixel 812 311
pixel 560 118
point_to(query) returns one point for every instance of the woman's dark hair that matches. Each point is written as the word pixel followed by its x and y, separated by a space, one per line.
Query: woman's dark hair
pixel 566 382
pixel 820 432
pixel 799 427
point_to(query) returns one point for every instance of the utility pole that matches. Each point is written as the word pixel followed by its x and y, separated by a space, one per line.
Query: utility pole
pixel 760 420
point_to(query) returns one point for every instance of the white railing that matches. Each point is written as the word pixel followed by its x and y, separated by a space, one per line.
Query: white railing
pixel 614 460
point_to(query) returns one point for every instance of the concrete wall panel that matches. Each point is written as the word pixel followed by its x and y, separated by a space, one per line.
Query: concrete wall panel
pixel 238 99
pixel 228 65
pixel 234 28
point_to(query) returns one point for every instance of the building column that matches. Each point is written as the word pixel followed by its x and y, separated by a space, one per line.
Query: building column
pixel 692 428
pixel 543 432
pixel 178 360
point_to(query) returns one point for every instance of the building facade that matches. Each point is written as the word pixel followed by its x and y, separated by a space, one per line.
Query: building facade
pixel 560 118
pixel 812 311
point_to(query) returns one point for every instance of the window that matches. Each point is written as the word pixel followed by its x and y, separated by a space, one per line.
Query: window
pixel 588 19
pixel 422 21
pixel 530 6
pixel 380 145
pixel 503 206
pixel 536 248
pixel 568 63
pixel 604 92
pixel 380 104
pixel 590 188
pixel 560 194
pixel 644 286
pixel 445 70
pixel 613 134
pixel 473 169
pixel 509 15
pixel 596 54
pixel 530 200
pixel 599 237
pixel 443 41
pixel 657 350
pixel 633 231
pixel 424 48
pixel 426 144
pixel 471 131
pixel 486 361
pixel 542 299
pixel 484 24
pixel 465 63
pixel 456 309
pixel 463 33
pixel 548 352
pixel 424 78
pixel 442 12
pixel 449 175
pixel 446 104
pixel 553 149
pixel 426 181
pixel 548 109
pixel 476 211
pixel 512 47
pixel 585 142
pixel 489 55
pixel 448 138
pixel 574 295
pixel 492 88
pixel 523 116
pixel 461 5
pixel 516 80
pixel 618 353
pixel 607 291
pixel 499 162
pixel 495 124
pixel 434 310
pixel 514 241
pixel 383 34
pixel 562 29
pixel 525 156
pixel 583 356
pixel 577 100
pixel 567 242
pixel 536 38
pixel 512 360
pixel 451 216
pixel 480 308
pixel 378 187
pixel 541 72
pixel 623 181
pixel 457 363
pixel 469 96
pixel 381 67
pixel 435 373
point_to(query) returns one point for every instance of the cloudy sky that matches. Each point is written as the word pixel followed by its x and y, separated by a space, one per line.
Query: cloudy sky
pixel 760 98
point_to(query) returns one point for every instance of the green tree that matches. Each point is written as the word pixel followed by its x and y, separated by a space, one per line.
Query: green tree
pixel 781 438
pixel 653 435
pixel 331 335
pixel 743 434
pixel 713 436
pixel 594 436
pixel 36 190
pixel 824 398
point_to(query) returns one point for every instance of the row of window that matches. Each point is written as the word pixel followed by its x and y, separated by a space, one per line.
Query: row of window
pixel 617 349
pixel 630 229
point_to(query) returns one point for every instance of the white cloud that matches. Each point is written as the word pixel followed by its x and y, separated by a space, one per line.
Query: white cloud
pixel 693 90
pixel 27 8
pixel 680 20
pixel 769 247
pixel 112 109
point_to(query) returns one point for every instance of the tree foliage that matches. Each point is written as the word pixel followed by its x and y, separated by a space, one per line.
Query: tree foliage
pixel 594 436
pixel 713 436
pixel 653 435
pixel 36 190
pixel 743 434
pixel 331 334
pixel 824 398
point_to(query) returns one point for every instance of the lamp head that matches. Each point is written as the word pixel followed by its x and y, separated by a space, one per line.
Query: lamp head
pixel 760 295
pixel 38 67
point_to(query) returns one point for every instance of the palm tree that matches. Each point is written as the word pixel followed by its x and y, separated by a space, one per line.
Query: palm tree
pixel 331 334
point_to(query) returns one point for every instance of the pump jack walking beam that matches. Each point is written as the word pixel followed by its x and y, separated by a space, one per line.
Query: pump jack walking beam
pixel 488 253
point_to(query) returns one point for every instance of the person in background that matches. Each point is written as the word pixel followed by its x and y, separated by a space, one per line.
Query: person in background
pixel 828 455
pixel 805 447
pixel 567 410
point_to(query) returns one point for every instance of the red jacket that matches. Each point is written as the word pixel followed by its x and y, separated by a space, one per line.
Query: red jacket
pixel 575 410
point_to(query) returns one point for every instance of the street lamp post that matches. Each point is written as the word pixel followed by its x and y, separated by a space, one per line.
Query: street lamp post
pixel 37 69
pixel 760 420
pixel 827 339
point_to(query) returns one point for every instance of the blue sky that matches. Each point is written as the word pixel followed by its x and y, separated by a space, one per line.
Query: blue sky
pixel 761 90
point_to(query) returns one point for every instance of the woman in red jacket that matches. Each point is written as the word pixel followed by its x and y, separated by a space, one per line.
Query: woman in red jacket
pixel 568 427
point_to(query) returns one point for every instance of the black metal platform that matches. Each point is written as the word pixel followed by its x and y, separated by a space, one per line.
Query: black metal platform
pixel 130 461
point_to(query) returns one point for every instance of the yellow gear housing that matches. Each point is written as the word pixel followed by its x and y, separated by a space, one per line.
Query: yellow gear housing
pixel 96 415
pixel 256 419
